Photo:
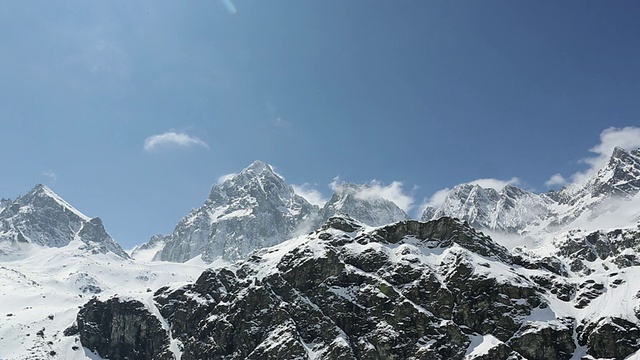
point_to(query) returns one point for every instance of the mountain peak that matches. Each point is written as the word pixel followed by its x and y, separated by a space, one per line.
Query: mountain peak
pixel 42 191
pixel 360 202
pixel 259 167
pixel 41 217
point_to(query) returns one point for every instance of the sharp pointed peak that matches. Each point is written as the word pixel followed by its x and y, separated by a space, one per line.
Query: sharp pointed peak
pixel 619 152
pixel 43 191
pixel 259 167
pixel 41 187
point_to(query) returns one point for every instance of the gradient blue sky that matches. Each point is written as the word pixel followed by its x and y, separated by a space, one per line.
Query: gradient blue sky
pixel 427 93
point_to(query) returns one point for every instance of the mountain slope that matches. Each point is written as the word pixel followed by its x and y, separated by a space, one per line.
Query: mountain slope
pixel 43 218
pixel 352 199
pixel 434 290
pixel 42 291
pixel 516 210
pixel 253 209
pixel 256 209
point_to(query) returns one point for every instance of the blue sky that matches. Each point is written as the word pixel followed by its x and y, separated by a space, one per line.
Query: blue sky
pixel 428 94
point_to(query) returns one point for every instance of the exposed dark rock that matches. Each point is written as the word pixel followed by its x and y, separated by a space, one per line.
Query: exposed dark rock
pixel 552 341
pixel 408 290
pixel 610 338
pixel 122 329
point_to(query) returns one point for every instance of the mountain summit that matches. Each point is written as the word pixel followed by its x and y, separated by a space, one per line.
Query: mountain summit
pixel 251 210
pixel 41 217
pixel 354 200
pixel 256 208
pixel 515 210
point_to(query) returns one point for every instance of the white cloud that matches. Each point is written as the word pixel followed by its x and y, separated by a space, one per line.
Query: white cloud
pixel 335 184
pixel 436 199
pixel 51 175
pixel 626 138
pixel 226 177
pixel 555 180
pixel 310 194
pixel 495 184
pixel 375 190
pixel 171 138
pixel 392 192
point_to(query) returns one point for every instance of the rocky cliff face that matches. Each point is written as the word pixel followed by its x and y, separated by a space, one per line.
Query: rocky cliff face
pixel 516 210
pixel 122 330
pixel 353 200
pixel 253 209
pixel 422 290
pixel 511 209
pixel 256 209
pixel 43 218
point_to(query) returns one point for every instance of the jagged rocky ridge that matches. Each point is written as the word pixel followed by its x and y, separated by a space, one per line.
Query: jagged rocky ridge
pixel 516 210
pixel 253 209
pixel 409 290
pixel 256 209
pixel 352 199
pixel 43 218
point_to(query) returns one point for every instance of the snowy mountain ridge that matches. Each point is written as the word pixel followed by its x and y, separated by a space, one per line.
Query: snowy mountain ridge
pixel 353 288
pixel 408 290
pixel 256 208
pixel 43 218
pixel 514 210
pixel 352 199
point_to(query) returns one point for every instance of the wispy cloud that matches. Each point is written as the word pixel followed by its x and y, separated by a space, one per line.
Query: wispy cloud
pixel 172 139
pixel 436 200
pixel 226 177
pixel 496 184
pixel 50 174
pixel 280 122
pixel 555 180
pixel 310 194
pixel 231 9
pixel 626 138
pixel 376 190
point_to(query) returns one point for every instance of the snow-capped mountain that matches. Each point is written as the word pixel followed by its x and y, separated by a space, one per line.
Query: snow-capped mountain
pixel 516 210
pixel 40 294
pixel 52 259
pixel 409 290
pixel 251 210
pixel 256 209
pixel 353 288
pixel 43 218
pixel 351 199
pixel 510 209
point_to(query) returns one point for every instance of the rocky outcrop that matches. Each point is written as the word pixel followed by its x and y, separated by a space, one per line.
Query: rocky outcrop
pixel 251 210
pixel 360 202
pixel 122 329
pixel 610 338
pixel 256 209
pixel 434 290
pixel 41 217
pixel 514 210
pixel 553 340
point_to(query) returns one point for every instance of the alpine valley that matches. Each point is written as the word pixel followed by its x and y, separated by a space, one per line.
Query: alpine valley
pixel 258 272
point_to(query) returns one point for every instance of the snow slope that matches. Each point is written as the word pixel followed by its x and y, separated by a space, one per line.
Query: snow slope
pixel 43 288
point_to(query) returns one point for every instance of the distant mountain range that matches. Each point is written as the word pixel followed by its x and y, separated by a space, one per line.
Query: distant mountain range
pixel 280 278
pixel 256 209
pixel 514 210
